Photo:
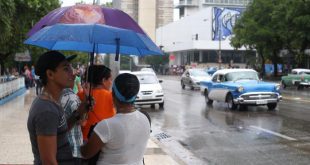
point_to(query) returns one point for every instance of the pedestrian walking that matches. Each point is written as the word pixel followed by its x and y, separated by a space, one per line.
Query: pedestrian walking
pixel 47 125
pixel 121 139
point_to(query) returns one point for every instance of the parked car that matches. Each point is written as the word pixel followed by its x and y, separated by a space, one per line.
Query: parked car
pixel 211 70
pixel 192 78
pixel 150 92
pixel 298 77
pixel 147 70
pixel 240 87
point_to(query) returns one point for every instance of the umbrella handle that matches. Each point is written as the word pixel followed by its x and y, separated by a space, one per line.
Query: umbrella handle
pixel 117 40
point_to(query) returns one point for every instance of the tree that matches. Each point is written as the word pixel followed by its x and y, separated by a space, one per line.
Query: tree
pixel 252 30
pixel 271 26
pixel 7 10
pixel 24 14
pixel 157 62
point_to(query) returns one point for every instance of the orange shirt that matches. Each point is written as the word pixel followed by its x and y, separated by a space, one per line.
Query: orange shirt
pixel 102 109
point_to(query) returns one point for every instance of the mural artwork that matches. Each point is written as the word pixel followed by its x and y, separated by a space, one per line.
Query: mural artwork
pixel 223 21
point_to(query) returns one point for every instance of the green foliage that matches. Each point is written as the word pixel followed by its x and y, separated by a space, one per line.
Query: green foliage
pixel 126 62
pixel 157 60
pixel 271 26
pixel 16 18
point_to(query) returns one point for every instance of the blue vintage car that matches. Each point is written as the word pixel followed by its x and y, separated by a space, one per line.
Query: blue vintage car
pixel 240 87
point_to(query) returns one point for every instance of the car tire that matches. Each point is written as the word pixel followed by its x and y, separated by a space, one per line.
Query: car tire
pixel 230 102
pixel 300 87
pixel 152 105
pixel 271 106
pixel 208 101
pixel 182 85
pixel 283 85
pixel 161 105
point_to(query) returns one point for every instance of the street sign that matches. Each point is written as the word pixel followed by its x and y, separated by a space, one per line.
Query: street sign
pixel 23 56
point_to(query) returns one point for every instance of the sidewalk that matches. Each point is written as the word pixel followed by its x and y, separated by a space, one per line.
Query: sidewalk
pixel 15 143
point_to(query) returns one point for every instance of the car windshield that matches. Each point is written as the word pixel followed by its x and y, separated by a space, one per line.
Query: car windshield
pixel 147 79
pixel 248 75
pixel 305 72
pixel 199 73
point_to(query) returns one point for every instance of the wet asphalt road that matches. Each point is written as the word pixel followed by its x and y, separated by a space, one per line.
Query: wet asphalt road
pixel 217 135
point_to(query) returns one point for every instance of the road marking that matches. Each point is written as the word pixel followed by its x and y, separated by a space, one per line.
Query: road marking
pixel 273 133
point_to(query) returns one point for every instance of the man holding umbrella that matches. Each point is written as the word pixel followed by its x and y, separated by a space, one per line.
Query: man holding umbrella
pixel 47 125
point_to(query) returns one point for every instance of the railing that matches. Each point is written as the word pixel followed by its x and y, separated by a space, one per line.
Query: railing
pixel 228 2
pixel 9 87
pixel 188 2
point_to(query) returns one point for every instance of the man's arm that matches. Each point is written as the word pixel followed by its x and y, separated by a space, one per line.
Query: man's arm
pixel 92 147
pixel 47 148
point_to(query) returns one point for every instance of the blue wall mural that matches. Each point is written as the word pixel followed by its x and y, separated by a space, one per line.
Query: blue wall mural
pixel 223 20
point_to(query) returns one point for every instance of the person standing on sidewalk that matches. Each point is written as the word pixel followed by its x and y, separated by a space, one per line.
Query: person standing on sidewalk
pixel 122 139
pixel 47 125
pixel 101 81
pixel 70 103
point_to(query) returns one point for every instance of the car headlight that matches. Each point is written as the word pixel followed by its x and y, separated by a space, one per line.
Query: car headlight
pixel 159 91
pixel 240 89
pixel 195 80
pixel 277 87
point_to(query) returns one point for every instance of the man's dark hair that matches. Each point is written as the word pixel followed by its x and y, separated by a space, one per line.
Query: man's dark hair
pixel 49 61
pixel 96 73
pixel 127 84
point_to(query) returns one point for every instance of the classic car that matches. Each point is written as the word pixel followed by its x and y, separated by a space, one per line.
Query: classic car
pixel 240 87
pixel 298 77
pixel 192 78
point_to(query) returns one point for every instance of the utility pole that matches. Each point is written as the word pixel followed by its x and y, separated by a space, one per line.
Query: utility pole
pixel 220 40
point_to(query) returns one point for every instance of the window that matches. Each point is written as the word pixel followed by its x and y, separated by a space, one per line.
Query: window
pixel 214 79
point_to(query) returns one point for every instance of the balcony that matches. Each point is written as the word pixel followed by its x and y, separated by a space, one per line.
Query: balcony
pixel 227 2
pixel 187 3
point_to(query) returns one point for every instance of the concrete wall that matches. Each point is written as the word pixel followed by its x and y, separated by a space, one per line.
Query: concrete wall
pixel 147 17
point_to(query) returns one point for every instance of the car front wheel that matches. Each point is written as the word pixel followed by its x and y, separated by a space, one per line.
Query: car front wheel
pixel 208 101
pixel 283 85
pixel 161 105
pixel 183 85
pixel 271 106
pixel 230 102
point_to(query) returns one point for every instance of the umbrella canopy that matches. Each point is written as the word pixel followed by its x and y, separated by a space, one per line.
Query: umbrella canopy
pixel 93 38
pixel 87 14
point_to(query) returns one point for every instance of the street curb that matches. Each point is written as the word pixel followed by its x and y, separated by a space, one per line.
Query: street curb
pixel 13 96
pixel 181 155
pixel 168 152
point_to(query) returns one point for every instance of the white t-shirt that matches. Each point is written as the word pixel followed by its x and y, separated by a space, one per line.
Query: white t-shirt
pixel 125 137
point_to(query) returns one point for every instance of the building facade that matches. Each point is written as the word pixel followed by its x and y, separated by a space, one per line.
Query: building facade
pixel 203 38
pixel 189 7
pixel 150 15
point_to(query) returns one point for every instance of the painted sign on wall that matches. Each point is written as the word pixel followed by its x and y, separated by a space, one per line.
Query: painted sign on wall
pixel 223 21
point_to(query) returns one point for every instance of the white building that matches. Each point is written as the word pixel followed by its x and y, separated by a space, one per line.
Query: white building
pixel 194 39
pixel 189 7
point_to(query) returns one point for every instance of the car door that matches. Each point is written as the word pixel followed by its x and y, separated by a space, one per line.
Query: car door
pixel 187 78
pixel 219 90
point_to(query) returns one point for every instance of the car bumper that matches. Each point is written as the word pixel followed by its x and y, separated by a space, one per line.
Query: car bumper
pixel 304 83
pixel 147 100
pixel 258 98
